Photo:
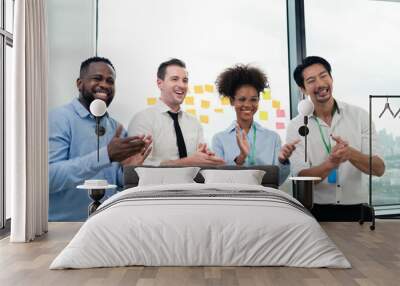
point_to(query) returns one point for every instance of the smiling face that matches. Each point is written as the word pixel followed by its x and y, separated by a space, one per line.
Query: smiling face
pixel 317 83
pixel 97 83
pixel 174 86
pixel 245 102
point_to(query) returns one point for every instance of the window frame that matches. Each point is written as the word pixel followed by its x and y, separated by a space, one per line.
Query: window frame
pixel 6 39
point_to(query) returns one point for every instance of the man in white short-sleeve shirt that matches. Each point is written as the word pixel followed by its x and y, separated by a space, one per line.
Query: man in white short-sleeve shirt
pixel 177 135
pixel 338 140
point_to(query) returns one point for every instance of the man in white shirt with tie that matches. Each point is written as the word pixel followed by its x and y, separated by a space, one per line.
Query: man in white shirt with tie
pixel 338 149
pixel 177 136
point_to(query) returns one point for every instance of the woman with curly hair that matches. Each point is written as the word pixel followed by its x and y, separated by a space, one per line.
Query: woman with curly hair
pixel 246 142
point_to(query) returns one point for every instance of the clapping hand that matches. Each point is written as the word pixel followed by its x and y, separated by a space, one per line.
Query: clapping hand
pixel 203 157
pixel 287 150
pixel 204 149
pixel 341 152
pixel 243 143
pixel 120 149
pixel 139 158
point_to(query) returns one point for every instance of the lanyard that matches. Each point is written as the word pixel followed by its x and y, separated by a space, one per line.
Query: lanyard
pixel 252 155
pixel 328 148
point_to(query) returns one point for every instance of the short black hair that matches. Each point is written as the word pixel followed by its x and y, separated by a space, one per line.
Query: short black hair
pixel 86 63
pixel 309 61
pixel 230 80
pixel 162 68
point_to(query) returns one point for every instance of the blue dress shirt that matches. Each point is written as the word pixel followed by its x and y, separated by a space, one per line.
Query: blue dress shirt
pixel 268 145
pixel 73 159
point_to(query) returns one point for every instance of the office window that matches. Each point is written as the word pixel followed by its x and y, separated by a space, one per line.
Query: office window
pixel 9 63
pixel 6 42
pixel 386 189
pixel 71 30
pixel 360 40
pixel 2 171
pixel 9 15
pixel 209 36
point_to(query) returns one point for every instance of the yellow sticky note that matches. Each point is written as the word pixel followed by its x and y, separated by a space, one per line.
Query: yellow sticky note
pixel 204 119
pixel 205 104
pixel 151 100
pixel 276 104
pixel 225 100
pixel 264 115
pixel 219 110
pixel 266 94
pixel 189 100
pixel 198 89
pixel 191 111
pixel 209 88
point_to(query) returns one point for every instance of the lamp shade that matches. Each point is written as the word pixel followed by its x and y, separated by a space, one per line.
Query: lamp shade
pixel 305 107
pixel 98 107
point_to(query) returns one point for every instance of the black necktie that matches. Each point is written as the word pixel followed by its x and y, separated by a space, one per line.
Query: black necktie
pixel 179 137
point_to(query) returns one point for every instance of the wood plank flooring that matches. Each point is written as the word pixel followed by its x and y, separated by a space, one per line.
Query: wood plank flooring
pixel 374 255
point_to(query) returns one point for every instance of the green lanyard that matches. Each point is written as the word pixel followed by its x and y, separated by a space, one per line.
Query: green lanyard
pixel 252 155
pixel 328 148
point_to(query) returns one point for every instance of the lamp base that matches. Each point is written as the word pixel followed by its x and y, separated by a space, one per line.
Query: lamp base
pixel 303 190
pixel 96 195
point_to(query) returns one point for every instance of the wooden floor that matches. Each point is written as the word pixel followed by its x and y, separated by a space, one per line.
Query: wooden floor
pixel 374 255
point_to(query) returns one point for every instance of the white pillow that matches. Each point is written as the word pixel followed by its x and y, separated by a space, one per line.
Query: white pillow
pixel 249 177
pixel 166 176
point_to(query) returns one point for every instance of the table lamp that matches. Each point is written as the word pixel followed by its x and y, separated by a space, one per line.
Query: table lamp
pixel 98 108
pixel 305 109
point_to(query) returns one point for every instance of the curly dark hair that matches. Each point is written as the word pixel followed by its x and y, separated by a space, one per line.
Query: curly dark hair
pixel 230 80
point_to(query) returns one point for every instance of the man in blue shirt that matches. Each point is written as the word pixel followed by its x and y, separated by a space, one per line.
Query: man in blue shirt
pixel 73 144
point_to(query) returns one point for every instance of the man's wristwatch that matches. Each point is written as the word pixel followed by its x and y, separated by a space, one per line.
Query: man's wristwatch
pixel 286 162
pixel 238 163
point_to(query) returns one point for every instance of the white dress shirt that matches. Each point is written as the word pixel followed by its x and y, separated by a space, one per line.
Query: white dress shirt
pixel 156 121
pixel 351 123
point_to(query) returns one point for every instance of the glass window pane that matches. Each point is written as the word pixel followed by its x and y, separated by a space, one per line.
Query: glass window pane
pixel 385 190
pixel 208 35
pixel 8 86
pixel 2 171
pixel 71 30
pixel 363 49
pixel 9 15
pixel 209 43
pixel 1 15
